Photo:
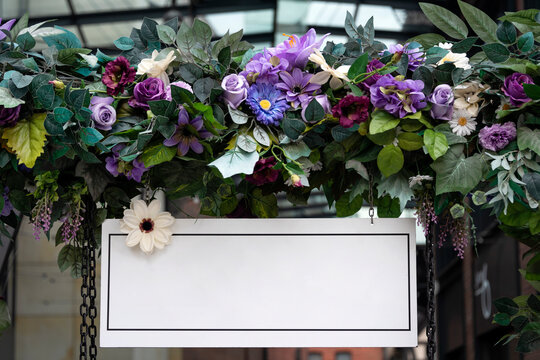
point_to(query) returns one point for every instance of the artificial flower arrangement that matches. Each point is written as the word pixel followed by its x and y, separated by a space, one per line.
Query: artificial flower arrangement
pixel 451 123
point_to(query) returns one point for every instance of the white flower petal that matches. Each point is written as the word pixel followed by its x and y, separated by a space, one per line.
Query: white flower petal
pixel 154 208
pixel 140 209
pixel 147 243
pixel 335 82
pixel 164 220
pixel 131 220
pixel 133 238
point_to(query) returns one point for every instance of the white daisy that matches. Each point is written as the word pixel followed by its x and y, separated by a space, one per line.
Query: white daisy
pixel 462 122
pixel 460 60
pixel 147 226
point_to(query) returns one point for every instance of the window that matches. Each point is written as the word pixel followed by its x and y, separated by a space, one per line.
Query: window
pixel 343 356
pixel 314 356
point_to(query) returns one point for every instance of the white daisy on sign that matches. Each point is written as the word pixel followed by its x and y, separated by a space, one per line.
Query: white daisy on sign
pixel 147 226
pixel 462 122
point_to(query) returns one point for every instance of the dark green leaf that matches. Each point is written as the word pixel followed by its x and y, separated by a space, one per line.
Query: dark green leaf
pixel 345 206
pixel 314 112
pixel 445 20
pixel 506 305
pixel 358 66
pixel 202 32
pixel 45 95
pixel 149 30
pixel 26 41
pixel 423 73
pixel 157 154
pixel 62 115
pixel 190 72
pixel 502 319
pixel 496 52
pixel 480 22
pixel 52 126
pixel 5 318
pixel 224 56
pixel 532 91
pixel 427 40
pixel 202 88
pixel 263 206
pixel 464 45
pixel 293 128
pixel 339 133
pixel 506 32
pixel 525 42
pixel 20 200
pixel 90 136
pixel 124 43
pixel 529 341
pixel 388 207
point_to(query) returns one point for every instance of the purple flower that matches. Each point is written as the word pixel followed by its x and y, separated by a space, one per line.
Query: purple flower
pixel 9 116
pixel 297 50
pixel 7 26
pixel 234 89
pixel 497 136
pixel 442 99
pixel 322 100
pixel 180 84
pixel 371 66
pixel 513 88
pixel 399 98
pixel 297 87
pixel 267 103
pixel 118 73
pixel 351 110
pixel 416 56
pixel 116 166
pixel 263 172
pixel 150 89
pixel 103 114
pixel 8 207
pixel 264 67
pixel 187 134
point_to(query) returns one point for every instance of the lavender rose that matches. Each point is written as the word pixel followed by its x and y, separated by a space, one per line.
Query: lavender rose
pixel 9 116
pixel 442 99
pixel 103 114
pixel 235 89
pixel 513 88
pixel 497 136
pixel 150 89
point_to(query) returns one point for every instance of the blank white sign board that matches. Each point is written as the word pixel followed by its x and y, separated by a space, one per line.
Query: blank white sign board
pixel 263 283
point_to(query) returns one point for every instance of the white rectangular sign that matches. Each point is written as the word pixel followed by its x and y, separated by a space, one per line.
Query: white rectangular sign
pixel 263 283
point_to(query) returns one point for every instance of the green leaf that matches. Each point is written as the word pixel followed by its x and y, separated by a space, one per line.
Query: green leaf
pixel 20 200
pixel 339 133
pixel 529 341
pixel 479 198
pixel 90 136
pixel 457 173
pixel 506 32
pixel 296 150
pixel 464 45
pixel 502 319
pixel 532 181
pixel 445 20
pixel 388 207
pixel 202 88
pixel 457 211
pixel 263 206
pixel 52 126
pixel 67 257
pixel 528 139
pixel 149 31
pixel 506 305
pixel 358 66
pixel 390 160
pixel 45 95
pixel 351 29
pixel 5 318
pixel 236 161
pixel 526 42
pixel 436 143
pixel 202 32
pixel 166 34
pixel 534 303
pixel 314 112
pixel 410 141
pixel 397 186
pixel 26 41
pixel 293 128
pixel 124 43
pixel 185 38
pixel 71 56
pixel 27 138
pixel 346 206
pixel 157 154
pixel 427 40
pixel 496 52
pixel 62 115
pixel 480 22
pixel 7 100
pixel 532 91
pixel 382 121
pixel 190 72
pixel 451 138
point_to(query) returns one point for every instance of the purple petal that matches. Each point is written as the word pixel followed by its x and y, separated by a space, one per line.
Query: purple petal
pixel 196 146
pixel 173 140
pixel 197 123
pixel 183 117
pixel 183 147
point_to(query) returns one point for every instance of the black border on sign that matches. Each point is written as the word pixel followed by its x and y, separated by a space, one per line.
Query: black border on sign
pixel 260 234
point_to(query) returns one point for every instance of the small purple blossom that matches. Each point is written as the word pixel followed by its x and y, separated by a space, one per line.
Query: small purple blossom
pixel 416 56
pixel 267 103
pixel 234 89
pixel 180 84
pixel 371 66
pixel 103 114
pixel 6 26
pixel 497 136
pixel 187 134
pixel 8 207
pixel 297 88
pixel 150 89
pixel 265 67
pixel 399 98
pixel 297 50
pixel 117 166
pixel 513 88
pixel 442 99
pixel 9 116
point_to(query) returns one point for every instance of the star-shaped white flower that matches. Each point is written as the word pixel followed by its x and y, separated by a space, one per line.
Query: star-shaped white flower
pixel 338 75
pixel 156 68
pixel 147 226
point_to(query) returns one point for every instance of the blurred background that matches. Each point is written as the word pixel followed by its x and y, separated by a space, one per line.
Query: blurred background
pixel 44 303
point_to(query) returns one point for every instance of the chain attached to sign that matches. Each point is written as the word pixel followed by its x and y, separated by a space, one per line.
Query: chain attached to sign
pixel 371 208
pixel 431 326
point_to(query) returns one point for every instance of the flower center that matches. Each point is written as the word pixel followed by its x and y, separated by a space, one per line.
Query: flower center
pixel 265 104
pixel 462 121
pixel 146 225
pixel 506 107
pixel 291 39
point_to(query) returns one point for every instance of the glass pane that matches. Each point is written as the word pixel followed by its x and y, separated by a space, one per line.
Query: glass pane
pixel 314 356
pixel 343 356
pixel 253 22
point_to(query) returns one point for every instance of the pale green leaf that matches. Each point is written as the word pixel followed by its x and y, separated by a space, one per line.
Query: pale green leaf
pixel 480 22
pixel 436 143
pixel 27 139
pixel 445 20
pixel 397 186
pixel 236 161
pixel 382 121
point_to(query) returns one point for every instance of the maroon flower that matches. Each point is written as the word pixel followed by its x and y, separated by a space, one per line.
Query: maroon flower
pixel 351 110
pixel 117 75
pixel 9 116
pixel 263 172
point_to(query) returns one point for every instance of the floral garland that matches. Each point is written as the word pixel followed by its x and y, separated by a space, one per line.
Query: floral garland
pixel 454 124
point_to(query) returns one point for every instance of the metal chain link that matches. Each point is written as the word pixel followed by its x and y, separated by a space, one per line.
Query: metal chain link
pixel 431 326
pixel 83 309
pixel 370 199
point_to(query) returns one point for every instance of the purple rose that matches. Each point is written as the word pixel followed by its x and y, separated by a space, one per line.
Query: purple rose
pixel 103 114
pixel 322 100
pixel 180 84
pixel 513 88
pixel 497 136
pixel 442 99
pixel 9 116
pixel 148 90
pixel 235 89
pixel 399 98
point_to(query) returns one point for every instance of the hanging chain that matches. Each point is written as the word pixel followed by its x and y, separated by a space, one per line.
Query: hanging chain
pixel 88 288
pixel 370 199
pixel 431 326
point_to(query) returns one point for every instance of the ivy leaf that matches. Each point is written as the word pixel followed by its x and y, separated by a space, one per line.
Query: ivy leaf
pixel 388 207
pixel 157 154
pixel 397 186
pixel 27 139
pixel 263 206
pixel 5 319
pixel 445 20
pixel 382 121
pixel 236 161
pixel 95 177
pixel 390 160
pixel 296 150
pixel 436 143
pixel 345 206
pixel 457 173
pixel 480 22
pixel 528 139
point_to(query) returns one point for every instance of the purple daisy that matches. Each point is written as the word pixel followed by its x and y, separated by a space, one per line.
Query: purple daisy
pixel 187 134
pixel 297 87
pixel 267 103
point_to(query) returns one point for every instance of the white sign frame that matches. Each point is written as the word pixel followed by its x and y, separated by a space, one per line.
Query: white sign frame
pixel 388 243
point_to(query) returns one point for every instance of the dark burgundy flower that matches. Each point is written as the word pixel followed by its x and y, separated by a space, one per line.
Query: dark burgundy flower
pixel 150 89
pixel 118 73
pixel 263 172
pixel 351 110
pixel 242 211
pixel 9 116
